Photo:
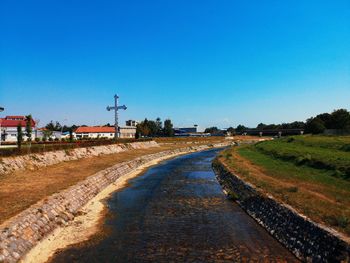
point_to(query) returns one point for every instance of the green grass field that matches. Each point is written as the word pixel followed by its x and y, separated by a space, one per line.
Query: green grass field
pixel 310 173
pixel 323 152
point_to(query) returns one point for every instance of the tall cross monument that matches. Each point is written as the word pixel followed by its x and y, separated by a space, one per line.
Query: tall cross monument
pixel 116 108
pixel 1 109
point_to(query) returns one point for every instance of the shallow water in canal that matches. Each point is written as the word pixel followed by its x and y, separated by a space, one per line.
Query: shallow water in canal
pixel 177 212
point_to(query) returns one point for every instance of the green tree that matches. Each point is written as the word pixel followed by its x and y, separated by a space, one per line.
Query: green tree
pixel 29 128
pixel 47 134
pixel 19 136
pixel 340 119
pixel 231 130
pixel 50 126
pixel 53 126
pixel 326 118
pixel 314 126
pixel 211 130
pixel 159 127
pixel 240 128
pixel 153 129
pixel 168 128
pixel 142 129
pixel 297 125
pixel 71 135
pixel 261 126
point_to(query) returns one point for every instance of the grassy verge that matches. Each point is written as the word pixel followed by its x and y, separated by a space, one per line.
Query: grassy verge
pixel 321 152
pixel 315 192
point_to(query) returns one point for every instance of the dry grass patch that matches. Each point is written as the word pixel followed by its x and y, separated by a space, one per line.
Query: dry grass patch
pixel 21 189
pixel 313 192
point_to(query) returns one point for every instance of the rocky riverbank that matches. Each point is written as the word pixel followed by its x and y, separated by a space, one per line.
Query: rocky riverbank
pixel 307 240
pixel 23 232
pixel 37 160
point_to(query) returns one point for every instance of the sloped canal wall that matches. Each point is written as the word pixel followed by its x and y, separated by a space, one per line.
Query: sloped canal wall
pixel 307 240
pixel 22 232
pixel 37 160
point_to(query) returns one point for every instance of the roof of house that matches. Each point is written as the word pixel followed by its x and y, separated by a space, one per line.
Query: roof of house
pixel 9 122
pixel 15 117
pixel 96 129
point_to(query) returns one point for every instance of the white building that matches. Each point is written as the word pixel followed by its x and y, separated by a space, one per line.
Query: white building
pixel 104 132
pixel 8 128
pixel 127 132
pixel 94 132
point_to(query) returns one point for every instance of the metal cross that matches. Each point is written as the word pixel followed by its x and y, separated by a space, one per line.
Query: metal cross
pixel 1 109
pixel 116 108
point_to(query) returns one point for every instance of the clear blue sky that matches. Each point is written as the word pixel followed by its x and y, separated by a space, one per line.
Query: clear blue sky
pixel 202 62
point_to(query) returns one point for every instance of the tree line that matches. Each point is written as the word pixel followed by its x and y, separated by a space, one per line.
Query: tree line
pixel 154 128
pixel 56 126
pixel 338 120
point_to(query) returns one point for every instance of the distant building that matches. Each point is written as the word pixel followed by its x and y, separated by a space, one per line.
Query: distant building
pixel 127 132
pixel 104 132
pixel 189 132
pixel 185 130
pixel 131 123
pixel 8 128
pixel 95 132
pixel 41 133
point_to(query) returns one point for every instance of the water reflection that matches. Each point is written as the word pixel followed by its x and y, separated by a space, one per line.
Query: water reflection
pixel 176 212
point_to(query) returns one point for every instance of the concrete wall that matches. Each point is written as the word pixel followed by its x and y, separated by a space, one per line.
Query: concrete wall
pixel 22 232
pixel 37 160
pixel 307 240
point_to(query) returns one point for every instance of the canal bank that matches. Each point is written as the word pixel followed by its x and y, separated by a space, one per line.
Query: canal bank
pixel 177 212
pixel 87 223
pixel 23 232
pixel 307 240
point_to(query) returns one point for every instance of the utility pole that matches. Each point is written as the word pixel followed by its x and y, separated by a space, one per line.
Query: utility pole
pixel 1 109
pixel 116 108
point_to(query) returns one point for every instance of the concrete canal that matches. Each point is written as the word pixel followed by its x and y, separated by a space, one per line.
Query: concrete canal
pixel 176 212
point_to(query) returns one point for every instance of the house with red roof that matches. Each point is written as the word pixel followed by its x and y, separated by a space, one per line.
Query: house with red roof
pixel 8 128
pixel 104 132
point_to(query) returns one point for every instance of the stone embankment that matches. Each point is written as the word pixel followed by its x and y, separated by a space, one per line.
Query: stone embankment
pixel 22 232
pixel 37 160
pixel 307 240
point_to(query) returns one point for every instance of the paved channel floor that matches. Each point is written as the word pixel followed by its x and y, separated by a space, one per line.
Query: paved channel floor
pixel 176 212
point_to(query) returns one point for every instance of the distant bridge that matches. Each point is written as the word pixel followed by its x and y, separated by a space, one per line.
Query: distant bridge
pixel 272 132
